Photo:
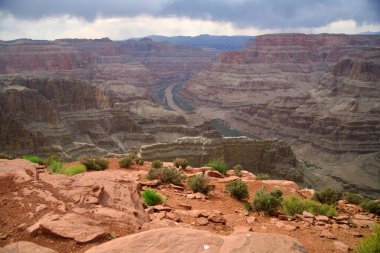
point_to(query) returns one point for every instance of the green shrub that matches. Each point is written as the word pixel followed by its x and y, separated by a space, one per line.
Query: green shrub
pixel 262 176
pixel 267 202
pixel 94 163
pixel 353 198
pixel 156 164
pixel 370 243
pixel 199 183
pixel 52 158
pixel 139 161
pixel 56 167
pixel 33 159
pixel 237 189
pixel 126 162
pixel 72 170
pixel 68 170
pixel 7 156
pixel 166 175
pixel 327 196
pixel 372 206
pixel 180 162
pixel 152 198
pixel 218 165
pixel 295 205
pixel 237 170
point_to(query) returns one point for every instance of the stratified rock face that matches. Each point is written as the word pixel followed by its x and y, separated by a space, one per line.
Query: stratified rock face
pixel 190 240
pixel 45 115
pixel 319 92
pixel 270 156
pixel 79 96
pixel 33 56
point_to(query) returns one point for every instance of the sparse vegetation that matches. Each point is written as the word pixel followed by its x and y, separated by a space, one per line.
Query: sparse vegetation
pixel 52 158
pixel 7 156
pixel 94 163
pixel 237 189
pixel 180 163
pixel 199 183
pixel 33 159
pixel 237 170
pixel 68 170
pixel 370 243
pixel 139 161
pixel 267 202
pixel 166 175
pixel 218 165
pixel 262 176
pixel 372 206
pixel 156 164
pixel 126 162
pixel 327 196
pixel 353 198
pixel 152 198
pixel 295 205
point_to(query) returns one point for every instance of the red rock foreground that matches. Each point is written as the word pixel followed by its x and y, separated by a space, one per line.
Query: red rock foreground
pixel 43 212
pixel 191 240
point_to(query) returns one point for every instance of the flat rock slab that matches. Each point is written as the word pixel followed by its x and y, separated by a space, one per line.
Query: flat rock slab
pixel 74 226
pixel 25 247
pixel 191 240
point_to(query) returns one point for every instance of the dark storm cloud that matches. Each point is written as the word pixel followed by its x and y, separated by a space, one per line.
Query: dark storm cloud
pixel 242 13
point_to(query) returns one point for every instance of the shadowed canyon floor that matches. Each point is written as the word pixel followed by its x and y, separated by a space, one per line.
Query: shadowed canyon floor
pixel 74 214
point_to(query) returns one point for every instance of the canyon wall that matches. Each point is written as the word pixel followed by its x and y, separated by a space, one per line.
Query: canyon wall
pixel 318 92
pixel 259 156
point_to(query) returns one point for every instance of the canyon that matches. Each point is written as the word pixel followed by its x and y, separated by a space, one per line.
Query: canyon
pixel 77 97
pixel 320 93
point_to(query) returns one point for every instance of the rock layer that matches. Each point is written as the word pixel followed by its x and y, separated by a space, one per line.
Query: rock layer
pixel 270 156
pixel 318 92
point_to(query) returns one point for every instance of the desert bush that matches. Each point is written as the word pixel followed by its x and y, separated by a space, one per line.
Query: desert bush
pixel 166 175
pixel 263 176
pixel 126 162
pixel 199 183
pixel 218 165
pixel 7 156
pixel 353 198
pixel 157 164
pixel 372 206
pixel 139 161
pixel 370 243
pixel 52 158
pixel 71 170
pixel 94 163
pixel 152 198
pixel 327 196
pixel 180 162
pixel 267 202
pixel 237 189
pixel 237 170
pixel 294 205
pixel 32 158
pixel 68 170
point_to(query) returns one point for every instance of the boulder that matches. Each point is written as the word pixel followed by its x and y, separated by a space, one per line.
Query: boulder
pixel 25 247
pixel 341 247
pixel 194 241
pixel 74 226
pixel 157 223
pixel 16 168
pixel 214 173
pixel 229 179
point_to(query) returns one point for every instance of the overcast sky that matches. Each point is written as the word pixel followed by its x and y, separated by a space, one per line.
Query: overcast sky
pixel 123 19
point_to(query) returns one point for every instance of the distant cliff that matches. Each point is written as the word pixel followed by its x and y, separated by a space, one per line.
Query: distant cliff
pixel 270 156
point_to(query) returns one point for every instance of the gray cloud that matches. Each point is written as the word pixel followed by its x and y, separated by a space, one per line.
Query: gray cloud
pixel 242 13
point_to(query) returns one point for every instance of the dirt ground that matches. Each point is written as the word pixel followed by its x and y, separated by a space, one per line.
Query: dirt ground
pixel 16 215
